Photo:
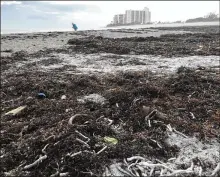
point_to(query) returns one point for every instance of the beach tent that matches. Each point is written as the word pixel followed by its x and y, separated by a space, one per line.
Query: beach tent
pixel 74 26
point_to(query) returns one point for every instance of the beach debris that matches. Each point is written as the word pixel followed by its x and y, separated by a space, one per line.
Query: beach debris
pixel 41 95
pixel 110 140
pixel 63 97
pixel 151 113
pixel 16 111
pixel 100 151
pixel 78 119
pixel 83 136
pixel 104 120
pixel 192 115
pixel 41 158
pixel 96 98
pixel 83 142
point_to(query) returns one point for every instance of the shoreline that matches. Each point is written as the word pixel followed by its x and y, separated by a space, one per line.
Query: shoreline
pixel 118 27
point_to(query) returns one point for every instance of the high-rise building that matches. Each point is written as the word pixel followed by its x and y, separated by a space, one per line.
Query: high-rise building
pixel 133 16
pixel 115 20
pixel 128 16
pixel 147 15
pixel 119 19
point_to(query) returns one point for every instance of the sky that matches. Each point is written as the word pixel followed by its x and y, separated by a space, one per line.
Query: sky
pixel 58 15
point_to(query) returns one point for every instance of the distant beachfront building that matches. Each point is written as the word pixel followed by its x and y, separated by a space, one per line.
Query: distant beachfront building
pixel 119 19
pixel 133 17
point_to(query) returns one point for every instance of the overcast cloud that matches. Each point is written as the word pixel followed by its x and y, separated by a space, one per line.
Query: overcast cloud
pixel 36 15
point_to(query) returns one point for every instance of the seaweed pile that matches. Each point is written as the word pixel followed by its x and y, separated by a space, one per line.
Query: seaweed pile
pixel 58 123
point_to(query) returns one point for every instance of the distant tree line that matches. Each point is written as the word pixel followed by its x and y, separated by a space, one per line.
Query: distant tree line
pixel 208 18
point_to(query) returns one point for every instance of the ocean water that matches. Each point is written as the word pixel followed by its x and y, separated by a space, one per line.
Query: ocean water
pixel 217 23
pixel 12 31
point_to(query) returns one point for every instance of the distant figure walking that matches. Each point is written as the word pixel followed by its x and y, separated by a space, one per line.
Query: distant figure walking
pixel 75 27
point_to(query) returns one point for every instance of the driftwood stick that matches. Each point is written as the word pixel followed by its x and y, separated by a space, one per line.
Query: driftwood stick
pixel 36 162
pixel 105 147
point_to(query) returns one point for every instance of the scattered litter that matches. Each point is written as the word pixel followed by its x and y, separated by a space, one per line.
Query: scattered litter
pixel 63 97
pixel 41 95
pixel 110 140
pixel 16 111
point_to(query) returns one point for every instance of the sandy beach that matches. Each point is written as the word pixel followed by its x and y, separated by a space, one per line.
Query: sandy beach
pixel 116 102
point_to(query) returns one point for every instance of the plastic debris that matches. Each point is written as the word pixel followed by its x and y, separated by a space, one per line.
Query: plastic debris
pixel 16 111
pixel 41 95
pixel 63 97
pixel 110 140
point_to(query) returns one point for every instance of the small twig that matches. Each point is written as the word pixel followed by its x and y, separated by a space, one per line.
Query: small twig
pixel 70 122
pixel 159 161
pixel 146 164
pixel 169 128
pixel 89 172
pixel 161 172
pixel 88 139
pixel 174 130
pixel 216 170
pixel 105 147
pixel 171 159
pixel 82 142
pixel 132 165
pixel 56 143
pixel 135 158
pixel 179 133
pixel 191 95
pixel 49 137
pixel 36 162
pixel 149 124
pixel 110 121
pixel 157 143
pixel 64 174
pixel 151 171
pixel 75 154
pixel 93 152
pixel 192 115
pixel 43 150
pixel 55 174
pixel 151 114
pixel 180 172
pixel 123 171
pixel 126 163
pixel 191 167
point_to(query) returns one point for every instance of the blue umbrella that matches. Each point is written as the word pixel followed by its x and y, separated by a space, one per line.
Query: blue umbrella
pixel 74 26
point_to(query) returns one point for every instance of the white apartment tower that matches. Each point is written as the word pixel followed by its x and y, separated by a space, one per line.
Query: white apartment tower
pixel 133 16
pixel 128 16
pixel 119 19
pixel 147 15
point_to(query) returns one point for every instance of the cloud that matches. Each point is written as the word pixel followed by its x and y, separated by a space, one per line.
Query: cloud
pixel 37 17
pixel 10 2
